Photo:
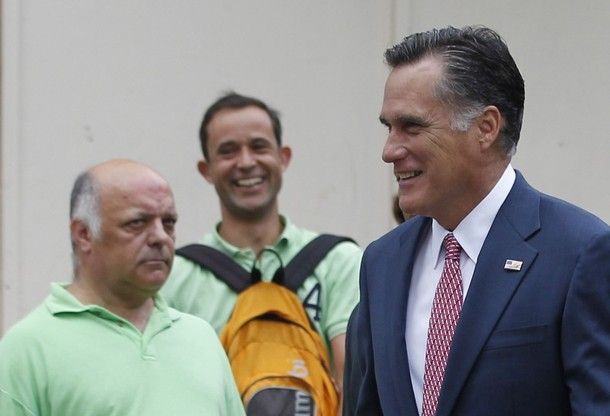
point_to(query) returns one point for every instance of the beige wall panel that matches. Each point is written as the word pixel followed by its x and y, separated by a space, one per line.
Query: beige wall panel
pixel 92 80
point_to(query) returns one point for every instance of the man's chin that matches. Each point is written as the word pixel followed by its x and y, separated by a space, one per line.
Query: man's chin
pixel 155 278
pixel 407 206
pixel 252 211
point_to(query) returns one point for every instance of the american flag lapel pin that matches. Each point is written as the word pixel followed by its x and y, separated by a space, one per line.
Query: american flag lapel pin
pixel 513 265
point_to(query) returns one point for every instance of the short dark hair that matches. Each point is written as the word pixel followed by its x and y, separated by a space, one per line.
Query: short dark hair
pixel 236 101
pixel 479 71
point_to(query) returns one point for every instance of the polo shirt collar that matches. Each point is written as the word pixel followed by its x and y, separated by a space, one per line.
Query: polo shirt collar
pixel 288 235
pixel 60 300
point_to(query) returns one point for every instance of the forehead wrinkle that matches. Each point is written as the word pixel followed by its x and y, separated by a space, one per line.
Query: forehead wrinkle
pixel 155 197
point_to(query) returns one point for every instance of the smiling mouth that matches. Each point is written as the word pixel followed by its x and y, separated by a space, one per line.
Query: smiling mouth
pixel 249 182
pixel 407 175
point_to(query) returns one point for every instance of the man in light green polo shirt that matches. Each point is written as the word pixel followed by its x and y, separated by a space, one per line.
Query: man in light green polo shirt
pixel 107 343
pixel 243 157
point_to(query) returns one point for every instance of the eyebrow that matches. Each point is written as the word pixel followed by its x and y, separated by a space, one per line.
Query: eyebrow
pixel 406 120
pixel 229 144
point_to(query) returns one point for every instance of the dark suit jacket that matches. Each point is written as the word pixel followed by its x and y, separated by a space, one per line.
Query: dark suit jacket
pixel 529 342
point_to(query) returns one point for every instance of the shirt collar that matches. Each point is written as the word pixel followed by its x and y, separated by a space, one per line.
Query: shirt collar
pixel 288 235
pixel 473 229
pixel 62 301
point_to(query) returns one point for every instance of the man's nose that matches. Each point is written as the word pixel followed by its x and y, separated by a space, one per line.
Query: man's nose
pixel 393 150
pixel 159 234
pixel 245 158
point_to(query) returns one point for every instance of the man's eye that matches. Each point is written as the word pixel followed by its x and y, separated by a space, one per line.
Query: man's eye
pixel 260 146
pixel 169 222
pixel 135 223
pixel 412 128
pixel 226 150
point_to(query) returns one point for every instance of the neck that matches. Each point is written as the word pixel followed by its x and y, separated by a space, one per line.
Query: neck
pixel 135 310
pixel 461 209
pixel 255 235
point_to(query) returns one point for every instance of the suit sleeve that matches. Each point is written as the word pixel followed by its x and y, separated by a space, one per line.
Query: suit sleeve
pixel 586 330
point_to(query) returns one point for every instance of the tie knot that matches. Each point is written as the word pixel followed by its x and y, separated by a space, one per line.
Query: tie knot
pixel 452 247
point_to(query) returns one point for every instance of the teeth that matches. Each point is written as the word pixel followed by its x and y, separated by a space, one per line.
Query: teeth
pixel 407 175
pixel 249 182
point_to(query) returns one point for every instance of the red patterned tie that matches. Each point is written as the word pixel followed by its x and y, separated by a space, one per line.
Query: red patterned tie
pixel 443 319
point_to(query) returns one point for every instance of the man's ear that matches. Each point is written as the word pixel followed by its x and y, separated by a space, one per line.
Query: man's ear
pixel 81 236
pixel 489 124
pixel 203 166
pixel 286 156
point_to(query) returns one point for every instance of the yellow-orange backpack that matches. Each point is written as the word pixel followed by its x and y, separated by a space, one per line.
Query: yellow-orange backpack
pixel 279 361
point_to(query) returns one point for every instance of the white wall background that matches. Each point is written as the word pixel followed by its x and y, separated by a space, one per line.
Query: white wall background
pixel 88 80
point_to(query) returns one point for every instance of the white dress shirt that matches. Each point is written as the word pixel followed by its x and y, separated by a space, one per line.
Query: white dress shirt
pixel 470 233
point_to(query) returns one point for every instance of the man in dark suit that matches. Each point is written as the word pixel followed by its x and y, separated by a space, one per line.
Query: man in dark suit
pixel 494 299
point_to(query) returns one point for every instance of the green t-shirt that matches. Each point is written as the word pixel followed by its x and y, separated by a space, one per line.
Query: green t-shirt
pixel 329 294
pixel 69 359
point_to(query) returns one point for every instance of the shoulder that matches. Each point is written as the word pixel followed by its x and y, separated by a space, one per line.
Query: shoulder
pixel 561 221
pixel 346 250
pixel 554 227
pixel 26 335
pixel 302 236
pixel 183 267
pixel 35 321
pixel 184 270
pixel 407 232
pixel 567 216
pixel 573 232
pixel 527 205
pixel 343 258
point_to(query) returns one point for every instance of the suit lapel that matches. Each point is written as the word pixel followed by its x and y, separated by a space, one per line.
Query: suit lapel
pixel 492 286
pixel 400 266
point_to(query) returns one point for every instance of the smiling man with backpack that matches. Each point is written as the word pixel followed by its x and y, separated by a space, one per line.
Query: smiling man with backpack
pixel 244 159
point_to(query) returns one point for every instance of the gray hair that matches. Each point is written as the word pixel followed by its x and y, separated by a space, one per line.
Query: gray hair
pixel 85 206
pixel 478 71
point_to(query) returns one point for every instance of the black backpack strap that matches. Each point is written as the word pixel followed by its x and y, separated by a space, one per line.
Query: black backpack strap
pixel 223 266
pixel 306 260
